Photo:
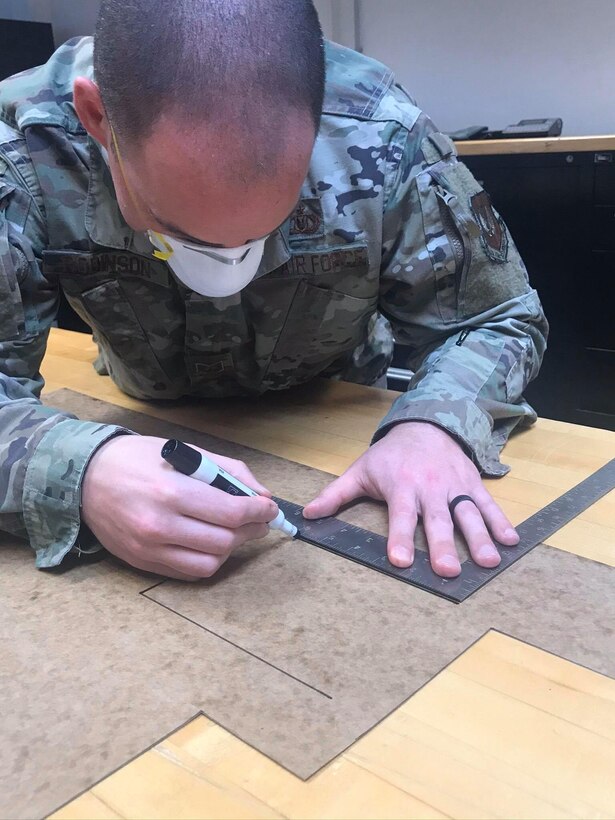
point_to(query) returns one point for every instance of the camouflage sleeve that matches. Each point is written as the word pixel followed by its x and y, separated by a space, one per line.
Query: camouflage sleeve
pixel 43 453
pixel 456 292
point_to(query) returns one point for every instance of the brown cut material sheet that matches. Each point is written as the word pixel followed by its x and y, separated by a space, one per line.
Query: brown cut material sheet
pixel 295 650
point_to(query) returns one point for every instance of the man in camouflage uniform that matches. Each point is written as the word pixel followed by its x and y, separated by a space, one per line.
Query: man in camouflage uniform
pixel 388 235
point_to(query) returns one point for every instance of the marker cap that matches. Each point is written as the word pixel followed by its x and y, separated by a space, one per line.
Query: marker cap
pixel 184 459
pixel 281 523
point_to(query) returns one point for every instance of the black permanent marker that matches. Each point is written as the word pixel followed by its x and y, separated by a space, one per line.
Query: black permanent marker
pixel 190 462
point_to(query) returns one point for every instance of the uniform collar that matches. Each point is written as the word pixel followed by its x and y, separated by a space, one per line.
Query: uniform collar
pixel 106 225
pixel 276 251
pixel 103 219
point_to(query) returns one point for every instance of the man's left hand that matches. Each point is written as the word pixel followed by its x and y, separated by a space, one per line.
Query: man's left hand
pixel 418 469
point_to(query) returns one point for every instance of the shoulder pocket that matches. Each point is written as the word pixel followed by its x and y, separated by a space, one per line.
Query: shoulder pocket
pixel 497 271
pixel 447 242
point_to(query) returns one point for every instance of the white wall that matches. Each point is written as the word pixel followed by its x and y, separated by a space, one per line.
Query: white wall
pixel 338 20
pixel 37 10
pixel 72 17
pixel 325 13
pixel 494 62
pixel 68 17
pixel 467 62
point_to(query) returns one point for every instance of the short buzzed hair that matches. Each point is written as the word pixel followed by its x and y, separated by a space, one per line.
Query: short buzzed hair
pixel 244 62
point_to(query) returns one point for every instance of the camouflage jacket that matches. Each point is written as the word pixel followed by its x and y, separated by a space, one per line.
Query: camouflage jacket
pixel 392 235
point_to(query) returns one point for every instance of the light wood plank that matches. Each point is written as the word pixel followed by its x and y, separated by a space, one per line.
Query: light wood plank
pixel 340 790
pixel 587 540
pixel 535 145
pixel 523 491
pixel 507 730
pixel 88 805
pixel 157 785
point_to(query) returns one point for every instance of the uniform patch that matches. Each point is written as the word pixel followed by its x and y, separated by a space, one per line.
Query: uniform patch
pixel 307 221
pixel 59 264
pixel 336 261
pixel 209 367
pixel 493 233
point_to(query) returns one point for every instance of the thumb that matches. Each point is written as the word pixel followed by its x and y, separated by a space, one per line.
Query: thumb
pixel 339 492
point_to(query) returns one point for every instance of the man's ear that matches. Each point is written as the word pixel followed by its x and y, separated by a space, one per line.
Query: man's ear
pixel 90 109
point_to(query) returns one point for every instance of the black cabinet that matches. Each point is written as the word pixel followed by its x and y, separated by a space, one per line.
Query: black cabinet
pixel 560 209
pixel 23 45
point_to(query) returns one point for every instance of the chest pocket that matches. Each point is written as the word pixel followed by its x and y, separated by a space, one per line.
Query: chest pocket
pixel 332 300
pixel 128 303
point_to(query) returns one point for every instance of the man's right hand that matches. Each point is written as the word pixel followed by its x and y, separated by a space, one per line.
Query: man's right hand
pixel 144 512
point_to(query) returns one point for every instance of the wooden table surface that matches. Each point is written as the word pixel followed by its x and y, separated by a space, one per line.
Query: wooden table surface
pixel 536 145
pixel 506 730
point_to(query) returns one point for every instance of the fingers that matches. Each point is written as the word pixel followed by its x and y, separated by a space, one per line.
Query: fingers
pixel 167 572
pixel 339 492
pixel 199 552
pixel 479 523
pixel 175 561
pixel 220 541
pixel 200 501
pixel 440 538
pixel 468 518
pixel 498 524
pixel 403 519
pixel 439 530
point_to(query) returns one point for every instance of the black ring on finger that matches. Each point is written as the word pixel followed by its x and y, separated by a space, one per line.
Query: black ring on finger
pixel 457 500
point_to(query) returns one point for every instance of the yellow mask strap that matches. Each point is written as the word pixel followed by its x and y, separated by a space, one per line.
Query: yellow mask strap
pixel 121 164
pixel 165 254
pixel 168 252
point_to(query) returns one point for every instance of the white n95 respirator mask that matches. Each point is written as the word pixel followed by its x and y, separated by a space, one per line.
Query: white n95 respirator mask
pixel 209 271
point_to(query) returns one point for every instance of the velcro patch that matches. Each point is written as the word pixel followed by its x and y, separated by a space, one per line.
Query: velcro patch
pixel 493 233
pixel 307 220
pixel 76 264
pixel 334 261
pixel 209 367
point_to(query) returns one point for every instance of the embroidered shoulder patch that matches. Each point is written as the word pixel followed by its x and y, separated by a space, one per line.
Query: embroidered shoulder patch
pixel 307 220
pixel 493 232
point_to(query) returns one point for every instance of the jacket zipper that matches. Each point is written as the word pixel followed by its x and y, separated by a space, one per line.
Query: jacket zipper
pixel 451 230
pixel 450 209
pixel 464 335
